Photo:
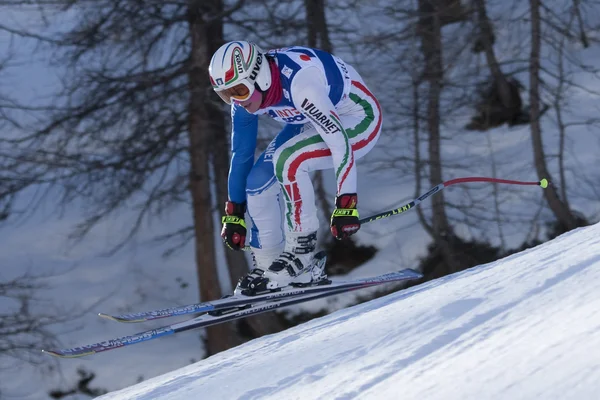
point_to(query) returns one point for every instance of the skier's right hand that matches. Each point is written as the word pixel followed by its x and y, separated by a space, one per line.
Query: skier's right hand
pixel 234 225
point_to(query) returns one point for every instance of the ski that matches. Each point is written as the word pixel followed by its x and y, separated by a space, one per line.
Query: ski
pixel 224 315
pixel 241 300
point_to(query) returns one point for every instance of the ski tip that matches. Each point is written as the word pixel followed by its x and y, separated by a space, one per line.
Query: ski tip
pixel 110 317
pixel 60 354
pixel 544 183
pixel 120 319
pixel 53 353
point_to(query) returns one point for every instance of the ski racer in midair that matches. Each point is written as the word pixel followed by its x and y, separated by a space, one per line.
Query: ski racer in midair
pixel 331 120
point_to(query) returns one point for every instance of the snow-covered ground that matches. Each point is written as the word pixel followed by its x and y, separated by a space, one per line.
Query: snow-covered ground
pixel 525 327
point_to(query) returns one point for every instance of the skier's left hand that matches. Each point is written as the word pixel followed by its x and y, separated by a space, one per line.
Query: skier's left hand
pixel 344 220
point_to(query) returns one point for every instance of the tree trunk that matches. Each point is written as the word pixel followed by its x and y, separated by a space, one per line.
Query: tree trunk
pixel 486 40
pixel 452 11
pixel 431 41
pixel 318 36
pixel 558 207
pixel 316 22
pixel 562 128
pixel 236 260
pixel 582 35
pixel 416 115
pixel 204 125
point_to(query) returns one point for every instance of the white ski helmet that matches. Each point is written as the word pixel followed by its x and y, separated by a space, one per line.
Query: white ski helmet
pixel 237 69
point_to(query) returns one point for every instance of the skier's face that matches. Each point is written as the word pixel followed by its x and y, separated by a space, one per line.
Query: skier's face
pixel 253 103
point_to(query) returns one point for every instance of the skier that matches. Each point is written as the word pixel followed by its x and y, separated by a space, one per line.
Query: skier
pixel 331 119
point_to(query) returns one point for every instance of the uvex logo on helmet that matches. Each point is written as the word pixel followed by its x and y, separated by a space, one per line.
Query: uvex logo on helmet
pixel 256 67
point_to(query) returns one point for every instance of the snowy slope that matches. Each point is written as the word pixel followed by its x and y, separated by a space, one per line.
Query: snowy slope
pixel 525 327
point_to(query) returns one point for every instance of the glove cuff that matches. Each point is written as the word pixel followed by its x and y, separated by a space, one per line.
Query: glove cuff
pixel 347 201
pixel 344 212
pixel 237 209
pixel 233 219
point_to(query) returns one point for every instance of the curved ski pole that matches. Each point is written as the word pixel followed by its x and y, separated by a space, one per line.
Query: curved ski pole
pixel 410 205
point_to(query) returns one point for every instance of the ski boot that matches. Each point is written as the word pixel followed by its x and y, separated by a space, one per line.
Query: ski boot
pixel 297 265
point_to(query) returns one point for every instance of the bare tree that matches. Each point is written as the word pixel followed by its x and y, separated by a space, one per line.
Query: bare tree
pixel 202 130
pixel 582 33
pixel 13 176
pixel 486 38
pixel 440 75
pixel 430 31
pixel 558 207
pixel 500 100
pixel 26 316
pixel 131 124
pixel 317 28
pixel 206 132
pixel 568 27
pixel 318 36
pixel 138 126
pixel 29 320
pixel 24 328
pixel 559 95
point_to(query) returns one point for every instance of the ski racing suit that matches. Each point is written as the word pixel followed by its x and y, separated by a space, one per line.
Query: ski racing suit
pixel 331 120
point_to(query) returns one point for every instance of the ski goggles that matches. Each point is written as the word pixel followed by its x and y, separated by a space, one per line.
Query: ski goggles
pixel 240 92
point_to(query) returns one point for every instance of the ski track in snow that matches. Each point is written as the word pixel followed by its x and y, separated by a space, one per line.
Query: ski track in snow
pixel 524 327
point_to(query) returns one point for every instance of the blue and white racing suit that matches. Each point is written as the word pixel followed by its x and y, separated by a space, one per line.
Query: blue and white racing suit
pixel 331 119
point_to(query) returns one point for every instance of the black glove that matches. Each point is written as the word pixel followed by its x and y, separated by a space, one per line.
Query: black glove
pixel 344 220
pixel 234 225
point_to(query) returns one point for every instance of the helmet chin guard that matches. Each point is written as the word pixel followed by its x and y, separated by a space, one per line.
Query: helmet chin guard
pixel 239 63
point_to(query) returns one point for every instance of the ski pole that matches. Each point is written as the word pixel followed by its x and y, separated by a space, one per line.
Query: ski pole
pixel 410 205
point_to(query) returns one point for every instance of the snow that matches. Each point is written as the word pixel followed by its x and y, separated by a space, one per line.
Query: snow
pixel 524 327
